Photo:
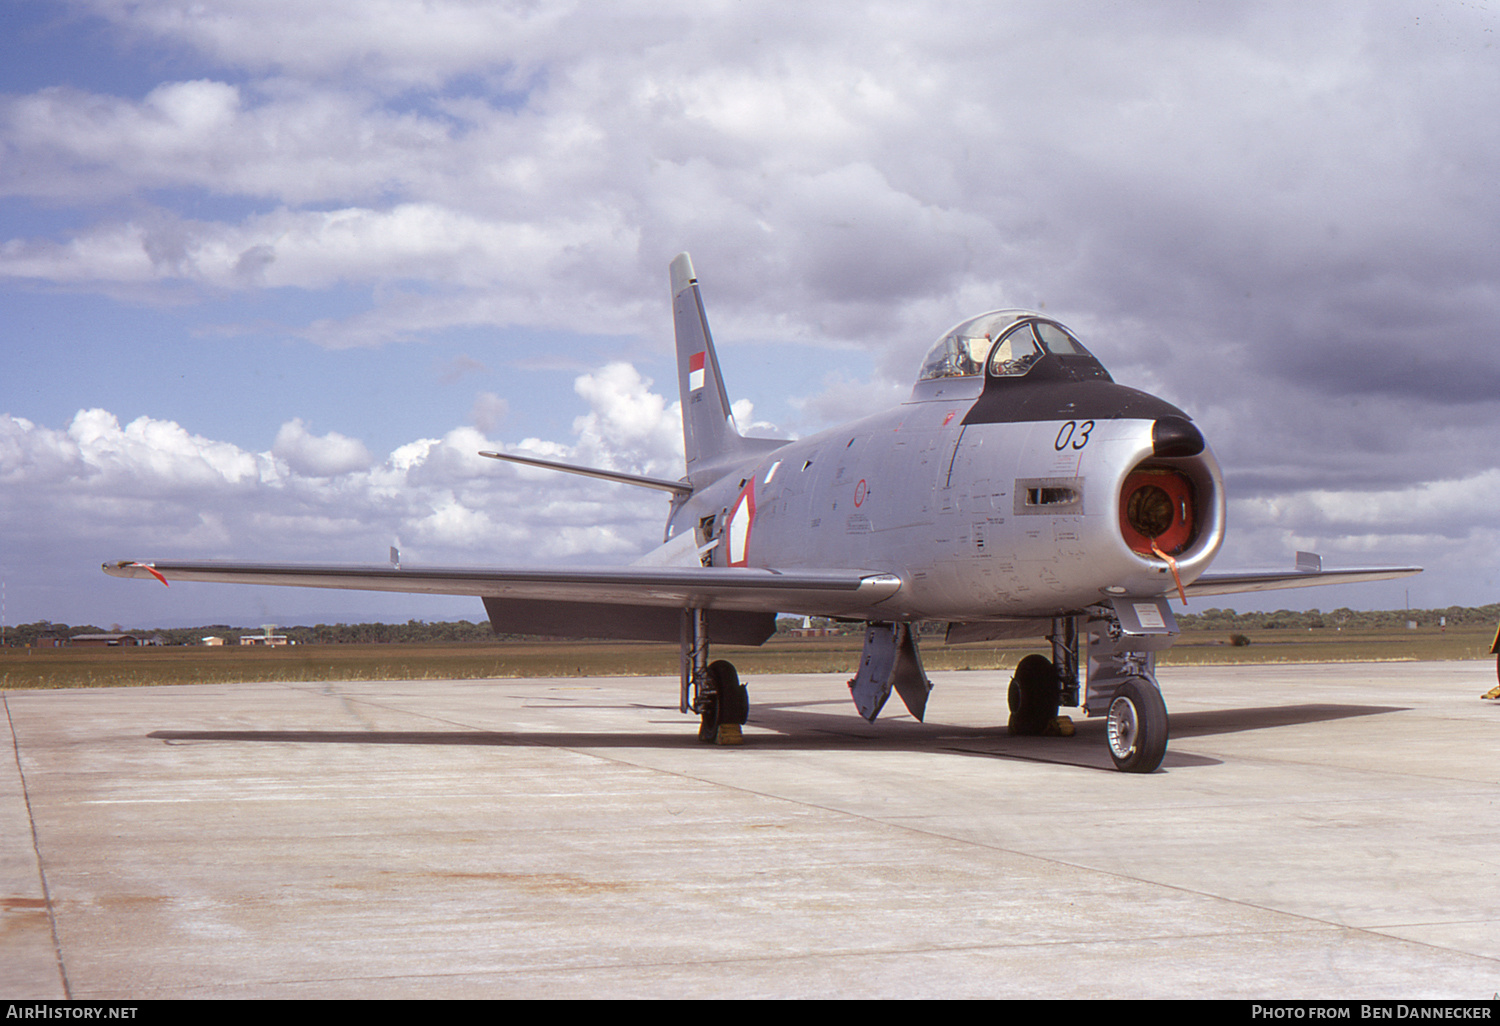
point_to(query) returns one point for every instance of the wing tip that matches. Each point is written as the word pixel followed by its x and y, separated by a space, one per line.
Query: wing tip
pixel 123 568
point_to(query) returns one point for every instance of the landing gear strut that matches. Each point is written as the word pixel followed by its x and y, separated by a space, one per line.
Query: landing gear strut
pixel 1124 637
pixel 712 690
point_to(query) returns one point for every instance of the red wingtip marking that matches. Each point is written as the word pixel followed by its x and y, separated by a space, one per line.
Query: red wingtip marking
pixel 152 571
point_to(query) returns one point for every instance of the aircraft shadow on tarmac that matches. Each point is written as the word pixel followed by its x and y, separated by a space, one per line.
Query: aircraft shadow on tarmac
pixel 801 726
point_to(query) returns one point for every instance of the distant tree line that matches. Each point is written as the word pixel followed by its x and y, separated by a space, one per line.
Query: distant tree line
pixel 420 632
pixel 411 632
pixel 1351 619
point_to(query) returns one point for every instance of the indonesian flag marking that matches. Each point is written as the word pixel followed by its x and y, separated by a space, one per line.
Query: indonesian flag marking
pixel 695 372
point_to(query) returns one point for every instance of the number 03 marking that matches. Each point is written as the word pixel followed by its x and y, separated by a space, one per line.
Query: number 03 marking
pixel 1073 435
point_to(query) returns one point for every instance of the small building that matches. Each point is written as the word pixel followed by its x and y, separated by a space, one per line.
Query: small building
pixel 106 640
pixel 212 641
pixel 807 630
pixel 272 640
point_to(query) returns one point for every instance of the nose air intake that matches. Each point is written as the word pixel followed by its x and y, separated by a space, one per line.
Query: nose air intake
pixel 1159 505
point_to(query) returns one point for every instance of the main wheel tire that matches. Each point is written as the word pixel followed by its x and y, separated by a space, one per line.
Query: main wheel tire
pixel 726 702
pixel 1034 695
pixel 734 699
pixel 1136 728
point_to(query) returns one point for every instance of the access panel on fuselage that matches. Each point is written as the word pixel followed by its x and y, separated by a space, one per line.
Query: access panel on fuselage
pixel 864 495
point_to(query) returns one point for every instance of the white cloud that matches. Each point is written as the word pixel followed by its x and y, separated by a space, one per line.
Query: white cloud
pixel 318 456
pixel 489 411
pixel 158 490
pixel 309 250
pixel 860 177
pixel 159 456
pixel 1449 508
pixel 1279 216
pixel 627 424
pixel 406 42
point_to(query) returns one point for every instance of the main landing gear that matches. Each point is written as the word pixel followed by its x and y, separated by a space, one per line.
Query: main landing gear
pixel 1034 694
pixel 723 706
pixel 1123 638
pixel 712 690
pixel 1041 685
pixel 1494 692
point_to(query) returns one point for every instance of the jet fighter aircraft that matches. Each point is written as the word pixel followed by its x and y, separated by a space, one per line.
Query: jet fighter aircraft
pixel 1018 492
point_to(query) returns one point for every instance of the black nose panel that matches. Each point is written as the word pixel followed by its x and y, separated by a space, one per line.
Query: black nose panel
pixel 1175 436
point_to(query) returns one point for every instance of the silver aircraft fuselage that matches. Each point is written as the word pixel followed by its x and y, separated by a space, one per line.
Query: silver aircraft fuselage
pixel 978 518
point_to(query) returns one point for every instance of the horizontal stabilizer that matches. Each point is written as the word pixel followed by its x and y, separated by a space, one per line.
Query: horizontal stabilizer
pixel 661 484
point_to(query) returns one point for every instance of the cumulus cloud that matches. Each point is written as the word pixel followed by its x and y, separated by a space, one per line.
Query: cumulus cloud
pixel 847 186
pixel 489 411
pixel 627 422
pixel 1277 216
pixel 310 249
pixel 396 41
pixel 318 456
pixel 436 492
pixel 206 134
pixel 153 489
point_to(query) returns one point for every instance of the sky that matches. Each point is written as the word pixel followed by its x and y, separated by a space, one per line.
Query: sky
pixel 272 272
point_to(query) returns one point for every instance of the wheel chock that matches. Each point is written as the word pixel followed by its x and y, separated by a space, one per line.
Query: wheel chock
pixel 729 734
pixel 1060 727
pixel 1493 692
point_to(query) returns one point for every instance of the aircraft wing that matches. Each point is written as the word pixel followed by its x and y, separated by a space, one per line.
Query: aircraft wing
pixel 676 587
pixel 639 602
pixel 1271 580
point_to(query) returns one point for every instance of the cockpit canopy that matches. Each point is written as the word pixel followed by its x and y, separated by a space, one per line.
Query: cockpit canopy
pixel 1009 341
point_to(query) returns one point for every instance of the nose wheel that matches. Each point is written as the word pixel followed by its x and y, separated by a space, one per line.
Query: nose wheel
pixel 1136 727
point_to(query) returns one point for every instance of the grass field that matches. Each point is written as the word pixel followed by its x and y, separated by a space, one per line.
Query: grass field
pixel 94 667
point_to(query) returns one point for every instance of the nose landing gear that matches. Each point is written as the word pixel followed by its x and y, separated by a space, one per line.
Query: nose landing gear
pixel 1123 639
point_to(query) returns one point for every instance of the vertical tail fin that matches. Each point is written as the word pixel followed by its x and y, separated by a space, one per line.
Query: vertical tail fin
pixel 708 428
